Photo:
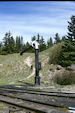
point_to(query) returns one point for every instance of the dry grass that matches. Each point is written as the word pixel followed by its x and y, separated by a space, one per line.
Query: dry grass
pixel 13 69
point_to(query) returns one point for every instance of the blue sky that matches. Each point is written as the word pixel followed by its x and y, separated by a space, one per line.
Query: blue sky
pixel 29 18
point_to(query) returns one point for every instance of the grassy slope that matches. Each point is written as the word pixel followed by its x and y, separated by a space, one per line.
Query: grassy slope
pixel 13 68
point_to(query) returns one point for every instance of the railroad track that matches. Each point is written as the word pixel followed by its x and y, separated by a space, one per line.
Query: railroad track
pixel 34 91
pixel 36 100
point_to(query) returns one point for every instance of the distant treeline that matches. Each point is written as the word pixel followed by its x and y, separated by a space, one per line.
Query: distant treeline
pixel 10 45
pixel 64 55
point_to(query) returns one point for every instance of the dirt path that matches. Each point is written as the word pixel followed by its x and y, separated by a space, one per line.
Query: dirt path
pixel 28 62
pixel 33 72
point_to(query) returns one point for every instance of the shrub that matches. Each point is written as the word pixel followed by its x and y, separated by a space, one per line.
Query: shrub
pixel 65 78
pixel 54 55
pixel 3 53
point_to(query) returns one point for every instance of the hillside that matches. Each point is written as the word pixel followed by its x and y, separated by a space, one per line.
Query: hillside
pixel 16 69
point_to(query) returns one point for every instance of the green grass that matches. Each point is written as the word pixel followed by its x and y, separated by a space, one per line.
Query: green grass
pixel 13 68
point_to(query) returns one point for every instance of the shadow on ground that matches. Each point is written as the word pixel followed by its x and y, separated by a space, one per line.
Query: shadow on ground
pixel 26 85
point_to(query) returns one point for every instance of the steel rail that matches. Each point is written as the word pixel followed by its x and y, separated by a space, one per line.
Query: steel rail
pixel 37 92
pixel 32 105
pixel 40 97
pixel 54 100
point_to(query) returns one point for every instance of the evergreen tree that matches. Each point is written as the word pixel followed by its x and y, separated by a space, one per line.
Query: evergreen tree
pixel 67 56
pixel 42 44
pixel 8 43
pixel 5 41
pixel 38 38
pixel 41 41
pixel 57 38
pixel 71 28
pixel 0 47
pixel 29 49
pixel 50 42
pixel 33 38
pixel 63 38
pixel 27 44
pixel 19 43
pixel 24 46
pixel 11 44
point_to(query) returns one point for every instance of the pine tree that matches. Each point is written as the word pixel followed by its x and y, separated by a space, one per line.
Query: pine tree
pixel 63 38
pixel 29 50
pixel 67 56
pixel 0 47
pixel 11 44
pixel 24 46
pixel 50 42
pixel 57 38
pixel 42 44
pixel 5 42
pixel 33 38
pixel 38 38
pixel 41 41
pixel 71 28
pixel 8 43
pixel 19 44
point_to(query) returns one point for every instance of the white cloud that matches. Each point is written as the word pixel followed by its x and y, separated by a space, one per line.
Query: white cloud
pixel 50 18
